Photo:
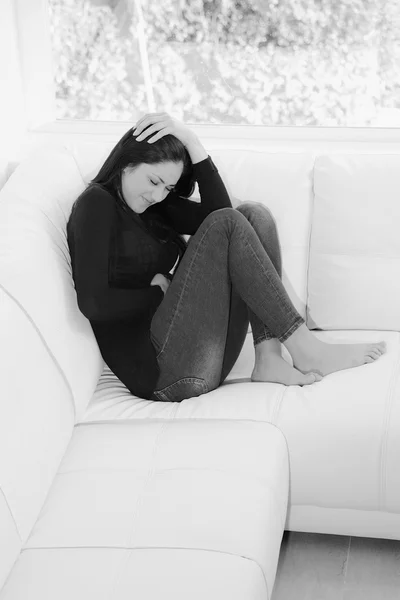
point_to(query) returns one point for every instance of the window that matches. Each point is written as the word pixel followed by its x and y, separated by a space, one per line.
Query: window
pixel 315 63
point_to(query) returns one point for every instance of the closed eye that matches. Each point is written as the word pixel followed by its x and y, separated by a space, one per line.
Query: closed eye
pixel 170 189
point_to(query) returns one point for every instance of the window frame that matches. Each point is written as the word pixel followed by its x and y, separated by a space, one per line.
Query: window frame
pixel 37 73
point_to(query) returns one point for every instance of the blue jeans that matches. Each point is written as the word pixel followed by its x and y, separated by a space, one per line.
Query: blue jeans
pixel 229 275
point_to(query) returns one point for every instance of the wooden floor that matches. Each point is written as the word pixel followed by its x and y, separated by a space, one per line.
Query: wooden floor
pixel 335 567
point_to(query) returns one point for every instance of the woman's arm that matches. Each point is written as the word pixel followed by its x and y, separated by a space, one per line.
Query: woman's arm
pixel 92 225
pixel 186 215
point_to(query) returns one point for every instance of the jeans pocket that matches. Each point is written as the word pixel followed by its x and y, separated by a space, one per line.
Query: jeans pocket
pixel 187 387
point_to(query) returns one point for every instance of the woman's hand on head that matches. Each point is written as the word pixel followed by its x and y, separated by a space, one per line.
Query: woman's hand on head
pixel 160 124
pixel 162 281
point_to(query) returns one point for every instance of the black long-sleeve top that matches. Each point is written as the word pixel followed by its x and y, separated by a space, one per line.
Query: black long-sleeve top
pixel 114 257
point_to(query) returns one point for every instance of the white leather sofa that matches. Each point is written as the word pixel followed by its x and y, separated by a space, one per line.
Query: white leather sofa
pixel 105 495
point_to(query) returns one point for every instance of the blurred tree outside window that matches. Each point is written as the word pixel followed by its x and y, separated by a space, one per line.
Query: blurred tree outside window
pixel 246 62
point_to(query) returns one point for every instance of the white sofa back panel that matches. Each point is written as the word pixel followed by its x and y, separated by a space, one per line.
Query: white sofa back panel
pixel 36 424
pixel 36 268
pixel 354 276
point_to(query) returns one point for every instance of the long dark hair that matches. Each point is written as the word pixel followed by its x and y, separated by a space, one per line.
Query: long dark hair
pixel 128 152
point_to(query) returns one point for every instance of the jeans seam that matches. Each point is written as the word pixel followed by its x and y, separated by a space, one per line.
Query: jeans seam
pixel 257 207
pixel 263 338
pixel 184 287
pixel 163 392
pixel 298 322
pixel 298 319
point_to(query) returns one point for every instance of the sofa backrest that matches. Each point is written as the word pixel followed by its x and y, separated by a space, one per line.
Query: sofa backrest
pixel 35 263
pixel 338 218
pixel 36 422
pixel 354 265
pixel 50 361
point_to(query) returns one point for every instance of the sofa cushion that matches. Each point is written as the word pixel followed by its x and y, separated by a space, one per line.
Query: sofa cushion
pixel 36 424
pixel 352 417
pixel 354 274
pixel 35 263
pixel 161 508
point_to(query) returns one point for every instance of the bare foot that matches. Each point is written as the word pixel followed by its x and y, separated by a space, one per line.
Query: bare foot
pixel 277 370
pixel 270 366
pixel 310 354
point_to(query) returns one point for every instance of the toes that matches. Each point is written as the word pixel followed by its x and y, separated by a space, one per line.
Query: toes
pixel 369 359
pixel 312 377
pixel 317 376
pixel 309 378
pixel 373 354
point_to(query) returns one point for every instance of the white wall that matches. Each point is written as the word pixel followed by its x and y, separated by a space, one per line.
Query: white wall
pixel 12 109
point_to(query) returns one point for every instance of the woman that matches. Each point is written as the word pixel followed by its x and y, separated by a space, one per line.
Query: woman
pixel 174 337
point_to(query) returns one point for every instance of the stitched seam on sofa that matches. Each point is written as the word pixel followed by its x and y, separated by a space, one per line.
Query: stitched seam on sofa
pixel 11 514
pixel 355 510
pixel 140 548
pixel 60 231
pixel 240 473
pixel 278 406
pixel 359 254
pixel 275 416
pixel 308 254
pixel 121 570
pixel 136 510
pixel 70 153
pixel 385 433
pixel 60 370
pixel 177 420
pixel 150 475
pixel 65 250
pixel 182 419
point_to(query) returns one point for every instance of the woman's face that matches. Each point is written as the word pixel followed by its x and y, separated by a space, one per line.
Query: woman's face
pixel 145 185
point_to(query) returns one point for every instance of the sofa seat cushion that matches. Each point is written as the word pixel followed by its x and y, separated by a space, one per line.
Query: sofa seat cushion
pixel 145 508
pixel 352 417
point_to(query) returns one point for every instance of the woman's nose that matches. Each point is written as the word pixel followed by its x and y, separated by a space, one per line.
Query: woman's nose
pixel 158 194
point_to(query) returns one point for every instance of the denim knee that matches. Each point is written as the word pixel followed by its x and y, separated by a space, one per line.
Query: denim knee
pixel 255 208
pixel 252 210
pixel 222 215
